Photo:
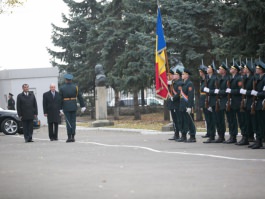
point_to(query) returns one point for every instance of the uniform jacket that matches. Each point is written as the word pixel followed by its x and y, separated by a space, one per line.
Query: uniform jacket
pixel 11 104
pixel 27 106
pixel 261 93
pixel 177 88
pixel 51 106
pixel 187 101
pixel 69 93
pixel 222 94
pixel 202 94
pixel 236 85
pixel 248 85
pixel 211 85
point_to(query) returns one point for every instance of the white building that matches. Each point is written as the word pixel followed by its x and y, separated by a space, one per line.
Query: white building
pixel 38 79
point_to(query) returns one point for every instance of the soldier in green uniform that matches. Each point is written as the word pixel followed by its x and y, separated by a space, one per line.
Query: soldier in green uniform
pixel 202 104
pixel 175 100
pixel 69 94
pixel 246 104
pixel 186 106
pixel 259 94
pixel 222 96
pixel 10 102
pixel 234 91
pixel 210 88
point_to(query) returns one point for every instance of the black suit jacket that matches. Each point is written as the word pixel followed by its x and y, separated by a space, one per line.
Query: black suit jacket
pixel 27 106
pixel 51 106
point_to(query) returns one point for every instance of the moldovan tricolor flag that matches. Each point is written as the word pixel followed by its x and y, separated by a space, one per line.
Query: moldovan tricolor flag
pixel 161 73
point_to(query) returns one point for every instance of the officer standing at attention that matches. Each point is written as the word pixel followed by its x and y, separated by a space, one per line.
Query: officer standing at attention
pixel 203 72
pixel 210 88
pixel 186 106
pixel 10 102
pixel 177 83
pixel 69 94
pixel 259 94
pixel 234 90
pixel 222 96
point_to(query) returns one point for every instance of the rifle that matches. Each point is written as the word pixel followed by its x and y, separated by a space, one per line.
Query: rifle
pixel 228 104
pixel 217 103
pixel 206 99
pixel 253 106
pixel 242 105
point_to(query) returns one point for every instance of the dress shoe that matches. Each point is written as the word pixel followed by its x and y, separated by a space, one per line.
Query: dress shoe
pixel 31 141
pixel 231 140
pixel 51 139
pixel 258 144
pixel 243 141
pixel 175 137
pixel 191 139
pixel 182 139
pixel 205 136
pixel 209 140
pixel 55 139
pixel 252 139
pixel 250 146
pixel 219 140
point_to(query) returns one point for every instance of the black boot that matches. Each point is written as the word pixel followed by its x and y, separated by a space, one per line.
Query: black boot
pixel 210 140
pixel 183 138
pixel 191 139
pixel 258 144
pixel 73 138
pixel 231 140
pixel 69 139
pixel 175 137
pixel 243 141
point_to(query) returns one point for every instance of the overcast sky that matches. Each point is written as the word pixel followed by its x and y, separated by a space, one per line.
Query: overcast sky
pixel 25 34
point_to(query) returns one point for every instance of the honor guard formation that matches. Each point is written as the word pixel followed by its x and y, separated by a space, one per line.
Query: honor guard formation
pixel 232 95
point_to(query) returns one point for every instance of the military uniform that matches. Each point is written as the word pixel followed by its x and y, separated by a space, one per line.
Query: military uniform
pixel 211 110
pixel 173 103
pixel 234 114
pixel 69 93
pixel 246 105
pixel 186 105
pixel 11 102
pixel 202 100
pixel 259 93
pixel 222 96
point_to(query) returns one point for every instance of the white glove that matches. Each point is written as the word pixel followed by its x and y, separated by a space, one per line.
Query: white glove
pixel 210 109
pixel 263 88
pixel 188 110
pixel 83 109
pixel 171 98
pixel 263 102
pixel 216 91
pixel 228 90
pixel 205 89
pixel 243 91
pixel 61 111
pixel 169 82
pixel 253 92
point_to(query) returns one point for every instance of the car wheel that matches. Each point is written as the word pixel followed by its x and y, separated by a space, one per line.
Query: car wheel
pixel 9 126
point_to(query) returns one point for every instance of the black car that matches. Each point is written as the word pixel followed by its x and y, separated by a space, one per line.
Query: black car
pixel 10 124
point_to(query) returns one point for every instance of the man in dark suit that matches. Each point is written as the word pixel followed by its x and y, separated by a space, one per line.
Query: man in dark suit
pixel 51 110
pixel 69 94
pixel 27 110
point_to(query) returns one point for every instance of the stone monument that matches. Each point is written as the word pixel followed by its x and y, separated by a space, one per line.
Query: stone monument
pixel 101 99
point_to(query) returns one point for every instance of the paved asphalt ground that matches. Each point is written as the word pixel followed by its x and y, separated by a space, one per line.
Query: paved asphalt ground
pixel 106 164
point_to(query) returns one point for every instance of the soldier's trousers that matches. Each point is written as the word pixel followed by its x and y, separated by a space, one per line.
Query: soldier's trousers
pixel 260 122
pixel 187 124
pixel 251 127
pixel 206 117
pixel 212 123
pixel 175 120
pixel 220 122
pixel 235 118
pixel 70 117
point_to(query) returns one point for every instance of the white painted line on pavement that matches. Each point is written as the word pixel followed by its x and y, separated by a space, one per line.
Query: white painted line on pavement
pixel 155 150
